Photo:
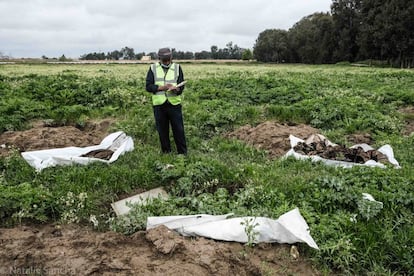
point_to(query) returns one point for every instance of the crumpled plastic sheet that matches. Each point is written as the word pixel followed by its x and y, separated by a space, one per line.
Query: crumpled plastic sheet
pixel 118 142
pixel 289 228
pixel 386 150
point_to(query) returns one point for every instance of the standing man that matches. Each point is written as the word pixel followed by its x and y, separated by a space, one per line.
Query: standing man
pixel 162 80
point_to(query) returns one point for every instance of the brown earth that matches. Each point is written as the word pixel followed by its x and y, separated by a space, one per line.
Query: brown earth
pixel 408 113
pixel 272 136
pixel 101 154
pixel 360 138
pixel 42 136
pixel 78 250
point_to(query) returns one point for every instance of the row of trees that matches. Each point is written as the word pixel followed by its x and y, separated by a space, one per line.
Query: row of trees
pixel 353 30
pixel 231 51
pixel 125 53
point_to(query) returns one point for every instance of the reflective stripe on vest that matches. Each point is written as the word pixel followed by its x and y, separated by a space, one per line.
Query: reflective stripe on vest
pixel 161 78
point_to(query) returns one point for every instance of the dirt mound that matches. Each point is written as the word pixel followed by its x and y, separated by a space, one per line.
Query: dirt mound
pixel 42 136
pixel 408 113
pixel 272 136
pixel 77 250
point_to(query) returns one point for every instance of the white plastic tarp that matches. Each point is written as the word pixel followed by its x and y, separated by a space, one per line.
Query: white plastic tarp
pixel 386 150
pixel 118 142
pixel 121 207
pixel 290 228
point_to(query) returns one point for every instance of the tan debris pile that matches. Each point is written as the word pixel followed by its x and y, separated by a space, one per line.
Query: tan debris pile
pixel 317 145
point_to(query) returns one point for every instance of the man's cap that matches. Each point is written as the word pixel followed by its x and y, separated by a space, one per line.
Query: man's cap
pixel 164 53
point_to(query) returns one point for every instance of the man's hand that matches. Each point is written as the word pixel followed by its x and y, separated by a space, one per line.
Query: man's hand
pixel 173 88
pixel 163 88
pixel 167 87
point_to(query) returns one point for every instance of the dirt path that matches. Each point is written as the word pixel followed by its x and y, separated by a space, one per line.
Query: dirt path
pixel 78 250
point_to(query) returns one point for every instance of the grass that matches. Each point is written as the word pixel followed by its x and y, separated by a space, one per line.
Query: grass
pixel 221 175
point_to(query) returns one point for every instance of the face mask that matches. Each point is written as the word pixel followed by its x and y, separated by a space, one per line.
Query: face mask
pixel 165 66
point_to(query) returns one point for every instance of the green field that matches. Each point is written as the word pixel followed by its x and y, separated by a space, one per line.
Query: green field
pixel 222 175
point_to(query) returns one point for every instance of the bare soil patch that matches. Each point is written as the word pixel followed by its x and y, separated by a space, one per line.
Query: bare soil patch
pixel 408 113
pixel 272 136
pixel 42 136
pixel 78 250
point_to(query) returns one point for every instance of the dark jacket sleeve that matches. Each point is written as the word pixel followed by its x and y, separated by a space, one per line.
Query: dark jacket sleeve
pixel 180 79
pixel 150 83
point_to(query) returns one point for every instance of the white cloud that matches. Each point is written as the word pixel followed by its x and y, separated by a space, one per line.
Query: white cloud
pixel 51 28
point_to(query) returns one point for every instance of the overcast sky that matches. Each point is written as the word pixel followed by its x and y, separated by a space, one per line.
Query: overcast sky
pixel 32 28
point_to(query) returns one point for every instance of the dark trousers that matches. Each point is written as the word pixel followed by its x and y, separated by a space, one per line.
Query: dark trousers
pixel 165 115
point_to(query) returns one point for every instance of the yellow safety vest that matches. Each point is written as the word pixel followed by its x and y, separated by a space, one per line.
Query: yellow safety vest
pixel 162 78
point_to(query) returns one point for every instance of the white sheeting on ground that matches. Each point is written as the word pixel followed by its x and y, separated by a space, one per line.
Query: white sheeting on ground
pixel 290 228
pixel 386 150
pixel 118 142
pixel 121 207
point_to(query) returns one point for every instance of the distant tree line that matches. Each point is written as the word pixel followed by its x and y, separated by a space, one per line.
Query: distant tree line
pixel 231 51
pixel 125 53
pixel 354 30
pixel 380 31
